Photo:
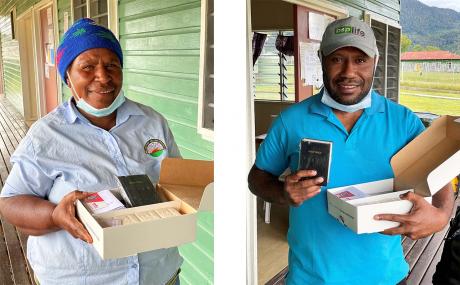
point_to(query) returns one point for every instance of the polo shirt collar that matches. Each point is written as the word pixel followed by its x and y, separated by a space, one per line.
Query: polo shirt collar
pixel 318 107
pixel 71 112
pixel 378 104
pixel 129 108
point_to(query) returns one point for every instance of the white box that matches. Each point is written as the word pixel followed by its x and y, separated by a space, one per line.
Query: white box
pixel 187 184
pixel 424 166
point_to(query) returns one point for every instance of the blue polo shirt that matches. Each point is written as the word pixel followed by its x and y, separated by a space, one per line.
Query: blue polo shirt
pixel 321 249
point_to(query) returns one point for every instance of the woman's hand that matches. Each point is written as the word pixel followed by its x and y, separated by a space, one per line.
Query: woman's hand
pixel 63 215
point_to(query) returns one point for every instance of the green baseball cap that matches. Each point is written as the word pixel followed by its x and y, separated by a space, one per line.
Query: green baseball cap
pixel 349 32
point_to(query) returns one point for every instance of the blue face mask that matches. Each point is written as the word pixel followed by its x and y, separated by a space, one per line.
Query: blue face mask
pixel 83 105
pixel 364 103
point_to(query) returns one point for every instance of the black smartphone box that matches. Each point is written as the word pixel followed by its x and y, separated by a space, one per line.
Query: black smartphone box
pixel 138 190
pixel 316 155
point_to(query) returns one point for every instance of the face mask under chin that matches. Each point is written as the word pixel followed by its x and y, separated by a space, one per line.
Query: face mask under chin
pixel 329 101
pixel 89 109
pixel 85 106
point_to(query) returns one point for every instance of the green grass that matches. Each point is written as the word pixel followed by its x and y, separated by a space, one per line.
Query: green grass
pixel 432 80
pixel 431 105
pixel 434 84
pixel 430 92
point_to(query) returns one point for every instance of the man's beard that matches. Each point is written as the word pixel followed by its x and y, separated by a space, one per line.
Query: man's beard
pixel 337 97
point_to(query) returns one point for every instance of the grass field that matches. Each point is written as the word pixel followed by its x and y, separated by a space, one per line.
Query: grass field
pixel 432 84
pixel 432 80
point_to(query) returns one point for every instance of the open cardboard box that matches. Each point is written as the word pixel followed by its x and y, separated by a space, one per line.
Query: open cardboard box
pixel 187 184
pixel 424 166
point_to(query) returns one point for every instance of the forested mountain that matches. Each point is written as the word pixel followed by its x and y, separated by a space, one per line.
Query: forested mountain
pixel 431 26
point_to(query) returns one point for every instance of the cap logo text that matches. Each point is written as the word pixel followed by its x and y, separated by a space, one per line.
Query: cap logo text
pixel 349 30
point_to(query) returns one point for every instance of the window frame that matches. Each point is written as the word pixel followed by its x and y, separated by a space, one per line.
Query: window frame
pixel 368 18
pixel 112 14
pixel 204 73
pixel 12 14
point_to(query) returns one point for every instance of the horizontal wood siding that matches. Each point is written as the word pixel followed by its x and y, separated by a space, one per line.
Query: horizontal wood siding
pixel 23 5
pixel 10 56
pixel 161 46
pixel 198 266
pixel 389 9
pixel 161 53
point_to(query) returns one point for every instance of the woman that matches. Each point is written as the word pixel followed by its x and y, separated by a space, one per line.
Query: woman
pixel 79 148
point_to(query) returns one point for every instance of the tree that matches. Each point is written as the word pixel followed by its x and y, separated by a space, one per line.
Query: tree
pixel 405 43
pixel 429 48
pixel 418 47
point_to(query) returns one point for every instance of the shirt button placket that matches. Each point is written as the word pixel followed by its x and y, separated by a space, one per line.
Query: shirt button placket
pixel 117 156
pixel 133 271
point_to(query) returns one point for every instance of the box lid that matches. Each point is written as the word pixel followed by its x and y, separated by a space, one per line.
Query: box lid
pixel 187 179
pixel 431 160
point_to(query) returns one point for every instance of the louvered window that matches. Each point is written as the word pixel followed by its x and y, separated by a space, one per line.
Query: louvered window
pixel 386 79
pixel 274 71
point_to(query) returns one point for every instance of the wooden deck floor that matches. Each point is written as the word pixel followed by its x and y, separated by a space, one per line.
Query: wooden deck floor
pixel 14 268
pixel 422 255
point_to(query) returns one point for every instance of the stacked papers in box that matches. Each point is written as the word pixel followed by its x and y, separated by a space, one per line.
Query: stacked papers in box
pixel 351 193
pixel 101 202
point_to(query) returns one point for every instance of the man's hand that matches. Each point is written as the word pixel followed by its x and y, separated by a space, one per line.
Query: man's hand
pixel 422 220
pixel 300 186
pixel 63 215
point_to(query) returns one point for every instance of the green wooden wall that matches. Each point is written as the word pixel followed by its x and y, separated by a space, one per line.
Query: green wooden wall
pixel 385 8
pixel 10 51
pixel 10 57
pixel 23 5
pixel 161 48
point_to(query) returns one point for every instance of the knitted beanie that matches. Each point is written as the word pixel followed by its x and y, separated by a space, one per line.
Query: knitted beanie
pixel 83 35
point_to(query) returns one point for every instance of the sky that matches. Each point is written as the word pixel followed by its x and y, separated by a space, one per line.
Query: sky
pixel 452 4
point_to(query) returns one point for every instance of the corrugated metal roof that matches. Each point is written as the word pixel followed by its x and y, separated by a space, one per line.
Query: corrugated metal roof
pixel 429 55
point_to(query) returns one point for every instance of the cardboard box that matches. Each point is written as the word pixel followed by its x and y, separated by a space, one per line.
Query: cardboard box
pixel 188 186
pixel 424 166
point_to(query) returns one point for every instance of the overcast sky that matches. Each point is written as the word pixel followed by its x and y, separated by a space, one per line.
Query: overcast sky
pixel 452 4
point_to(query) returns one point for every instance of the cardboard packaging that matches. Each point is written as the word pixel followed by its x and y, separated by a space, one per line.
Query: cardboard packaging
pixel 188 186
pixel 424 166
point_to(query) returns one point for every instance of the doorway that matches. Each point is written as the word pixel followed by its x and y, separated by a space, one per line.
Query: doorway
pixel 285 36
pixel 36 36
pixel 46 64
pixel 26 55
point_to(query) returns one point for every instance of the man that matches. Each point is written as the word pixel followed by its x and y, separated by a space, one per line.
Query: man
pixel 366 130
pixel 84 144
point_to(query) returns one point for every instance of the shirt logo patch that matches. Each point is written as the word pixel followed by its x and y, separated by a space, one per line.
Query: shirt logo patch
pixel 154 147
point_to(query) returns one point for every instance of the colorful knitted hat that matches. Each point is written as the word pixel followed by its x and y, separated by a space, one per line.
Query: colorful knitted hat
pixel 83 35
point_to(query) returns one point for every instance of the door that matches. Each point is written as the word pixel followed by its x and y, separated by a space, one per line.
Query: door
pixel 48 64
pixel 27 58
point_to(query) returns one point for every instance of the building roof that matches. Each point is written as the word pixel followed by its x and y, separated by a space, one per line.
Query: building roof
pixel 429 55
